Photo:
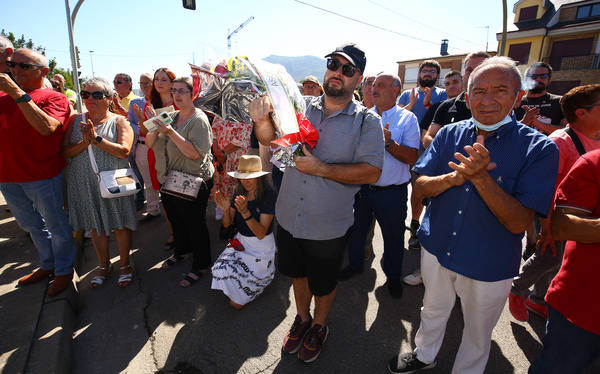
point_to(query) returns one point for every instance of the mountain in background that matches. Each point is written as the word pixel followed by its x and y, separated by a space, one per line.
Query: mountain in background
pixel 300 66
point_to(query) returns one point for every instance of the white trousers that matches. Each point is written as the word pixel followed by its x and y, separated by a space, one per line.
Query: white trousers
pixel 482 304
pixel 152 196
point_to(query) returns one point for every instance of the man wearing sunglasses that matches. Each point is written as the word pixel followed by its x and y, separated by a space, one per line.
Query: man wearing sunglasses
pixel 31 131
pixel 122 99
pixel 6 49
pixel 314 206
pixel 539 108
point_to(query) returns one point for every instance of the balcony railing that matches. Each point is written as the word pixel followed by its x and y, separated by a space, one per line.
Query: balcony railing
pixel 573 62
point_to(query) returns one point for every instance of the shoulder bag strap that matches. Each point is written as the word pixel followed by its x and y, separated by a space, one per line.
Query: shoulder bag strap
pixel 575 140
pixel 91 152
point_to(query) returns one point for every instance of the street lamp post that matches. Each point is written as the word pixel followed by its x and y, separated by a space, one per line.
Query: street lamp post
pixel 92 63
pixel 70 22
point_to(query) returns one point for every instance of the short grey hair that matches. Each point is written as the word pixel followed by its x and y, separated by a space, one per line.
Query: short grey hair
pixel 499 61
pixel 107 88
pixel 34 55
pixel 396 81
pixel 5 43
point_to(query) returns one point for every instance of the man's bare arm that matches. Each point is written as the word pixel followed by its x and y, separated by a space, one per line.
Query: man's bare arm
pixel 361 173
pixel 431 131
pixel 37 118
pixel 576 225
pixel 408 155
pixel 509 211
pixel 434 186
pixel 264 128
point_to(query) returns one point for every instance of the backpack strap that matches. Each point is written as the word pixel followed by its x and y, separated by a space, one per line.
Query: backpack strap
pixel 575 140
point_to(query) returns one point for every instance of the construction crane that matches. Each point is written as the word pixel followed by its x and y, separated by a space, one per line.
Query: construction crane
pixel 235 31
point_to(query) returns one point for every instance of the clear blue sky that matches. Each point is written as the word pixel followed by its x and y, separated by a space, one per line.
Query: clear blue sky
pixel 136 36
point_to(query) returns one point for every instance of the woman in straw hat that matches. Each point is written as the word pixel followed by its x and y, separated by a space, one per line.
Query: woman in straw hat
pixel 246 265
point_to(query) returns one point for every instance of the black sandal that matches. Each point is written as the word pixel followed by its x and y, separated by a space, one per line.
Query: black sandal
pixel 189 279
pixel 171 261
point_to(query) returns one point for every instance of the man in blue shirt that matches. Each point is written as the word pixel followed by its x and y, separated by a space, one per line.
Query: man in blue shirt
pixel 386 199
pixel 487 177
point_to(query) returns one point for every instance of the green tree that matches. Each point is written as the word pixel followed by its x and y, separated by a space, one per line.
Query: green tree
pixel 22 42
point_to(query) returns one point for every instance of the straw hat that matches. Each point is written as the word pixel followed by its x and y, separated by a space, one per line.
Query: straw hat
pixel 249 167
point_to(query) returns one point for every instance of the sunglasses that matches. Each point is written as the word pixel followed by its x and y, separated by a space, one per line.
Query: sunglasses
pixel 347 69
pixel 180 91
pixel 98 95
pixel 118 82
pixel 23 65
pixel 536 76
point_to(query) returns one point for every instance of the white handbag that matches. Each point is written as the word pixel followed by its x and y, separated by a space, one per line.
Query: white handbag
pixel 115 183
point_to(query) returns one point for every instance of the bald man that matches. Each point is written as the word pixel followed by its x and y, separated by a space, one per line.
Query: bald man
pixel 31 132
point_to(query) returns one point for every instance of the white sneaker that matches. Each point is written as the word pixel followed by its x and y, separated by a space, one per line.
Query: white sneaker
pixel 413 279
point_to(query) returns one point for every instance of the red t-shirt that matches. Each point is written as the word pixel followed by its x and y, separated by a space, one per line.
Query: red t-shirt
pixel 572 290
pixel 28 156
pixel 568 151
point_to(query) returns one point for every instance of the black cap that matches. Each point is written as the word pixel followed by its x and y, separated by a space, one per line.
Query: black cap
pixel 352 53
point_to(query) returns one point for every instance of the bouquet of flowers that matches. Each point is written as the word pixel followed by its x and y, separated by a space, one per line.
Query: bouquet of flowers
pixel 228 95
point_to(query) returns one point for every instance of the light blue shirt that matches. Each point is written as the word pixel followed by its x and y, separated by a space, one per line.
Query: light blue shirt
pixel 141 102
pixel 438 94
pixel 404 127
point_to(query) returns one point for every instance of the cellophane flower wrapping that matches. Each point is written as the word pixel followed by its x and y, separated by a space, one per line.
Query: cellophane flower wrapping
pixel 229 95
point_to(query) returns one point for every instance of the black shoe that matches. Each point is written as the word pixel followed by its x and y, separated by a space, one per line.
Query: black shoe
pixel 395 287
pixel 413 241
pixel 348 273
pixel 407 363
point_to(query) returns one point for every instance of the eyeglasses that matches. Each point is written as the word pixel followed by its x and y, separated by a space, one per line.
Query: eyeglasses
pixel 427 71
pixel 180 91
pixel 536 76
pixel 119 82
pixel 98 95
pixel 347 69
pixel 23 65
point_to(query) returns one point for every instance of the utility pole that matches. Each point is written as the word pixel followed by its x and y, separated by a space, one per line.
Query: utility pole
pixel 235 31
pixel 504 21
pixel 92 63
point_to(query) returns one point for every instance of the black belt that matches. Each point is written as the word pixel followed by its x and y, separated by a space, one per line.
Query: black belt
pixel 381 188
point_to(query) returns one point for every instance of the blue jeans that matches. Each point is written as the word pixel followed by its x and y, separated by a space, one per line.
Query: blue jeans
pixel 388 205
pixel 567 347
pixel 38 208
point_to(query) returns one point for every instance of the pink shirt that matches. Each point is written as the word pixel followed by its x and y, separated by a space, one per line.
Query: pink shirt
pixel 568 151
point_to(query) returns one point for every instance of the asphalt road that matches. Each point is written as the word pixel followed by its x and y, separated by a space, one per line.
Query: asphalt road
pixel 156 326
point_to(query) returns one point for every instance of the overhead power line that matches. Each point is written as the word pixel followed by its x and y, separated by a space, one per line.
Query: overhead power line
pixel 429 25
pixel 372 25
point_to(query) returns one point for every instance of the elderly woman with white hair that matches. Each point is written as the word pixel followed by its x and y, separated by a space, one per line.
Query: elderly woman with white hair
pixel 110 137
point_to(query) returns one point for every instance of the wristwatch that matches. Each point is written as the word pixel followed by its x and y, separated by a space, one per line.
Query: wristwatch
pixel 99 139
pixel 23 99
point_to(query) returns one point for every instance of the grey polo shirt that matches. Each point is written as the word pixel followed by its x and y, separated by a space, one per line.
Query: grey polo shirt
pixel 316 208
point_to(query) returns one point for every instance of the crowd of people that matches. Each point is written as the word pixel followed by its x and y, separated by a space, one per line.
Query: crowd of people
pixel 487 160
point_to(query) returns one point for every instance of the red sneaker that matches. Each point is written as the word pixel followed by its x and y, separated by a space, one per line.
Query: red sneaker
pixel 516 305
pixel 294 338
pixel 539 309
pixel 313 343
